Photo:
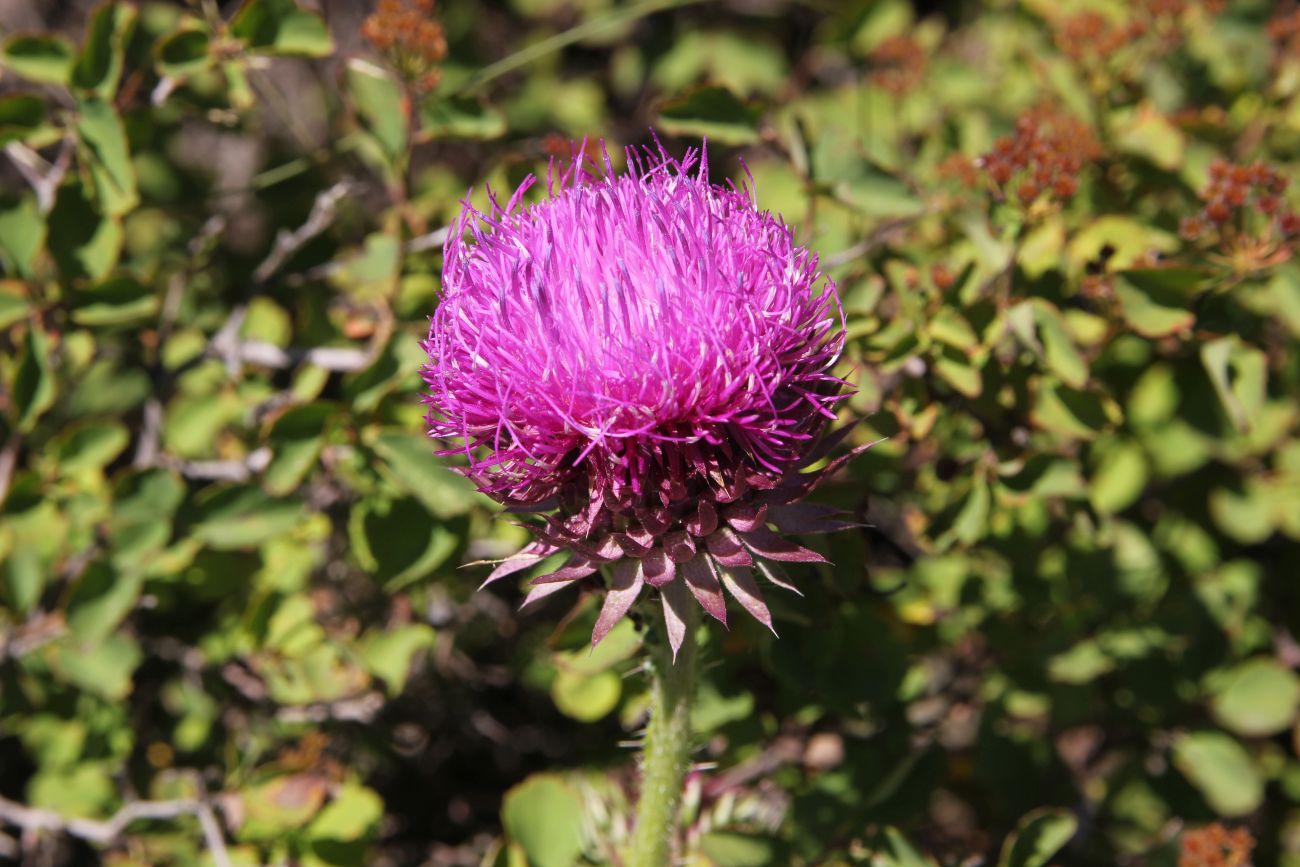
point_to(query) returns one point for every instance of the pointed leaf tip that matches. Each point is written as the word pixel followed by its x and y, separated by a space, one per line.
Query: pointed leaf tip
pixel 675 600
pixel 765 543
pixel 725 547
pixel 740 582
pixel 625 586
pixel 702 580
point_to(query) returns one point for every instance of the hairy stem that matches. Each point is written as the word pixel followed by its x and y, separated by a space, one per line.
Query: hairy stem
pixel 667 749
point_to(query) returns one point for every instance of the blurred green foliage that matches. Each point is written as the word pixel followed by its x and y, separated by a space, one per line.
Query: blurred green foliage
pixel 231 565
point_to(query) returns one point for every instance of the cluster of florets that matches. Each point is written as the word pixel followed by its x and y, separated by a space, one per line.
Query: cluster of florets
pixel 1089 35
pixel 645 361
pixel 897 64
pixel 1042 159
pixel 1216 846
pixel 405 32
pixel 1245 215
pixel 1284 30
pixel 1156 26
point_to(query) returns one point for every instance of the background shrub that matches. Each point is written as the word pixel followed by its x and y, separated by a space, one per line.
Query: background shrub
pixel 233 612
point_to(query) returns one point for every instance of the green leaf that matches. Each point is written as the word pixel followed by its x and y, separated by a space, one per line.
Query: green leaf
pixel 711 112
pixel 83 242
pixel 21 114
pixel 1152 304
pixel 543 815
pixel 1239 374
pixel 971 521
pixel 1071 412
pixel 1082 663
pixel 33 388
pixel 140 524
pixel 84 790
pixel 1039 835
pixel 460 117
pixel 950 327
pixel 398 540
pixel 14 306
pixel 1147 133
pixel 884 19
pixel 382 105
pixel 352 814
pixel 100 601
pixel 1217 765
pixel 90 445
pixel 295 441
pixel 895 850
pixel 243 516
pixel 281 27
pixel 407 459
pixel 115 301
pixel 184 53
pixel 99 68
pixel 1257 698
pixel 103 139
pixel 727 849
pixel 24 575
pixel 1120 477
pixel 957 369
pixel 388 654
pixel 22 234
pixel 105 670
pixel 282 804
pixel 1059 352
pixel 586 698
pixel 39 57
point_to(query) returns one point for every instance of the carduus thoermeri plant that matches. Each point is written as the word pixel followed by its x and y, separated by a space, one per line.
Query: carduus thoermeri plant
pixel 645 361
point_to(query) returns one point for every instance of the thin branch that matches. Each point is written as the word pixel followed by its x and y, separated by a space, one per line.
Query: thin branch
pixel 223 471
pixel 418 244
pixel 33 820
pixel 287 243
pixel 44 177
pixel 8 460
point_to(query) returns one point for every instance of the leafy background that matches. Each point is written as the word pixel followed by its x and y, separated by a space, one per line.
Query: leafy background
pixel 234 623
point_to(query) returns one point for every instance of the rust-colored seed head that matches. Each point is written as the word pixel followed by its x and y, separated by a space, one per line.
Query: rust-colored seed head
pixel 1045 155
pixel 1218 211
pixel 898 64
pixel 407 35
pixel 1216 846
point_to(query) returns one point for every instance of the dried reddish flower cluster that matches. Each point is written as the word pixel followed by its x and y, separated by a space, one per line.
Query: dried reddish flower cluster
pixel 898 64
pixel 1090 36
pixel 1087 35
pixel 404 32
pixel 1235 192
pixel 1284 30
pixel 1042 159
pixel 1216 846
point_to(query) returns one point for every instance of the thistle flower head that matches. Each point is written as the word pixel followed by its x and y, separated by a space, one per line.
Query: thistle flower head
pixel 644 360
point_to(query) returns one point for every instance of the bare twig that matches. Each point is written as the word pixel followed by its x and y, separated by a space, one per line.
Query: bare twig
pixel 33 634
pixel 867 245
pixel 33 821
pixel 44 177
pixel 224 471
pixel 8 460
pixel 340 359
pixel 427 241
pixel 148 446
pixel 418 244
pixel 287 243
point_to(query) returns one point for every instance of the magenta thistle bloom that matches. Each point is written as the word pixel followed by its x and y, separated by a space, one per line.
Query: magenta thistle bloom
pixel 645 361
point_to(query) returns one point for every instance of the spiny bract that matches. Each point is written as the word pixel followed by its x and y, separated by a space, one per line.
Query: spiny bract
pixel 645 361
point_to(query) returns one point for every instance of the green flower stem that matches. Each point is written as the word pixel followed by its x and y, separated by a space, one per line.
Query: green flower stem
pixel 667 749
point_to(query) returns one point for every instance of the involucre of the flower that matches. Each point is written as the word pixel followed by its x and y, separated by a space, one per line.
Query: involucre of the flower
pixel 645 361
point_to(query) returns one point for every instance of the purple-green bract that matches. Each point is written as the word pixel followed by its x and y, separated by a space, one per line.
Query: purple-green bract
pixel 645 361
